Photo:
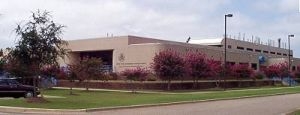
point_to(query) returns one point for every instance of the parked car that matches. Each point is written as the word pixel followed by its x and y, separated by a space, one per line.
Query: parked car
pixel 11 88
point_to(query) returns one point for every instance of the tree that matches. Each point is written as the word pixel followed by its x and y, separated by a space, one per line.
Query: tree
pixel 214 70
pixel 135 74
pixel 242 71
pixel 49 75
pixel 40 44
pixel 87 69
pixel 196 66
pixel 277 70
pixel 168 65
pixel 70 72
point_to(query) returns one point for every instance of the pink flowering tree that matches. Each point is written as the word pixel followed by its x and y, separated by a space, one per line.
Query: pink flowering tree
pixel 87 69
pixel 242 71
pixel 196 66
pixel 168 65
pixel 214 70
pixel 135 74
pixel 277 70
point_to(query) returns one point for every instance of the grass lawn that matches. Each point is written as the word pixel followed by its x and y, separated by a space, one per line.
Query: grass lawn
pixel 95 99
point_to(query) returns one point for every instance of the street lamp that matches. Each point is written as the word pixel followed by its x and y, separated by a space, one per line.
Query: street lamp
pixel 289 36
pixel 225 47
pixel 289 68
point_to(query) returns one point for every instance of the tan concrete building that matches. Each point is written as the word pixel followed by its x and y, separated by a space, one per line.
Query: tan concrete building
pixel 121 52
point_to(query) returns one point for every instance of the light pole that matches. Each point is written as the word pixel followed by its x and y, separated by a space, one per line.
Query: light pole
pixel 225 48
pixel 289 36
pixel 289 68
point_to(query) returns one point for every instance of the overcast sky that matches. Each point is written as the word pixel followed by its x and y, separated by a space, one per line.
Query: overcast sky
pixel 163 19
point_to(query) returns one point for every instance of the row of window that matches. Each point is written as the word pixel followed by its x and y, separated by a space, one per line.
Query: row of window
pixel 257 50
pixel 253 65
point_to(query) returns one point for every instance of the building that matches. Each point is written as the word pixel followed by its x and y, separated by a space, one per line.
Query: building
pixel 121 52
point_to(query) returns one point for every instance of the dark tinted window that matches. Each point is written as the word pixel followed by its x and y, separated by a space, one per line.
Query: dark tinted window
pixel 249 49
pixel 12 82
pixel 229 46
pixel 240 48
pixel 3 82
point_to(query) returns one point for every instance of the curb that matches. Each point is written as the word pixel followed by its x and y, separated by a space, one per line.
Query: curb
pixel 8 109
pixel 37 110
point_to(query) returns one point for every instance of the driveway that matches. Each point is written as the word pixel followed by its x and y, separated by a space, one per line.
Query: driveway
pixel 272 105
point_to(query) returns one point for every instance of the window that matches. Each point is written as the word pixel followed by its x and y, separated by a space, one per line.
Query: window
pixel 230 63
pixel 272 52
pixel 249 49
pixel 256 50
pixel 284 54
pixel 3 82
pixel 266 52
pixel 229 46
pixel 293 68
pixel 244 64
pixel 254 66
pixel 278 53
pixel 240 48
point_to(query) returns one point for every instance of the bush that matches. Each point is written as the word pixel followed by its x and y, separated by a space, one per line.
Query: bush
pixel 297 74
pixel 152 78
pixel 259 75
pixel 113 76
pixel 135 74
pixel 242 71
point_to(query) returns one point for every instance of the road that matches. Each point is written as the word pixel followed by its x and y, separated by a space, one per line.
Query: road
pixel 272 105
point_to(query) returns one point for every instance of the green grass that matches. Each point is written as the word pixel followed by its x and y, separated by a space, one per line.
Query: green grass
pixel 95 99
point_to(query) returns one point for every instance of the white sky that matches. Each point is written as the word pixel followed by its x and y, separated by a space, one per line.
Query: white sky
pixel 163 19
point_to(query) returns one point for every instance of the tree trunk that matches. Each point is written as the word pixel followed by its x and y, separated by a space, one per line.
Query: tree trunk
pixel 169 84
pixel 197 79
pixel 34 85
pixel 86 85
pixel 194 83
pixel 71 88
pixel 224 83
pixel 132 86
pixel 218 82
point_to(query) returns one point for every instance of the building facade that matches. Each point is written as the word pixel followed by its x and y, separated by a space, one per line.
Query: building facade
pixel 121 52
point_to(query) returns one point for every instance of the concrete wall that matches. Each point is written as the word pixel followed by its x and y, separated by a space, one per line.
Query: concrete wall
pixel 133 51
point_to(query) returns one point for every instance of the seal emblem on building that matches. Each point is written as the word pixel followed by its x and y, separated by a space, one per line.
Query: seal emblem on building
pixel 121 57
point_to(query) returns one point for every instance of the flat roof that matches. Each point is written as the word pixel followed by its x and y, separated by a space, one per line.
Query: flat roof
pixel 213 41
